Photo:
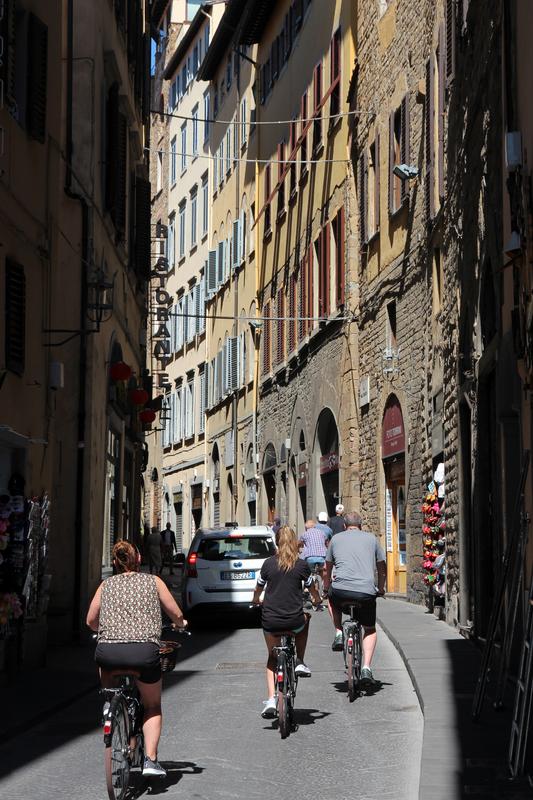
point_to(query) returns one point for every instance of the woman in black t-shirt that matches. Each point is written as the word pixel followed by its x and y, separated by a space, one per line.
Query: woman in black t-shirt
pixel 283 577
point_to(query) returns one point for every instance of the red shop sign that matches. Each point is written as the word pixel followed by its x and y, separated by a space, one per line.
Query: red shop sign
pixel 393 434
pixel 329 463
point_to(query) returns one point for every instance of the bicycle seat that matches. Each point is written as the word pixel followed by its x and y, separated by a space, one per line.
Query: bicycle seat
pixel 117 673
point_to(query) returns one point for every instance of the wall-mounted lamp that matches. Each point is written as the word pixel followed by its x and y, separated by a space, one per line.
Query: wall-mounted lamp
pixel 405 172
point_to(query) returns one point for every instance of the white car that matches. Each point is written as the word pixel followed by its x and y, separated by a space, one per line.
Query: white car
pixel 222 567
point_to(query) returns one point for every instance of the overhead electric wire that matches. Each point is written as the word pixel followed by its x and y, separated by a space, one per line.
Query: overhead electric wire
pixel 294 161
pixel 233 318
pixel 355 112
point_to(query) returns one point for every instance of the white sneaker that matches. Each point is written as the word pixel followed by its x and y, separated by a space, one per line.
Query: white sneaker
pixel 153 769
pixel 302 670
pixel 269 708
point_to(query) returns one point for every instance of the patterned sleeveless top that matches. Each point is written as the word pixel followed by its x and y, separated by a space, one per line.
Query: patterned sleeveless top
pixel 130 610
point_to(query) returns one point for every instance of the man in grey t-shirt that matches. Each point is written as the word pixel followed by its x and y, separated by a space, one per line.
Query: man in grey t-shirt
pixel 356 556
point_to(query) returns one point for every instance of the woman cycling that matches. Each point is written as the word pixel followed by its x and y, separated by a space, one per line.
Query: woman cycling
pixel 283 577
pixel 126 612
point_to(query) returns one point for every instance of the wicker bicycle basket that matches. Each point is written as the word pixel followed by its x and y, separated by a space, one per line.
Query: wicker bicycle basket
pixel 167 655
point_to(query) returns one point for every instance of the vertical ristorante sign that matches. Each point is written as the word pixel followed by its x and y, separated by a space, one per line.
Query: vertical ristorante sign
pixel 161 304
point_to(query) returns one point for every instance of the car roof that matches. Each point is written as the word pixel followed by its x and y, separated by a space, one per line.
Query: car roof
pixel 218 533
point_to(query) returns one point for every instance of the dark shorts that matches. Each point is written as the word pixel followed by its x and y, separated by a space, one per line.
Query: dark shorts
pixel 140 656
pixel 365 610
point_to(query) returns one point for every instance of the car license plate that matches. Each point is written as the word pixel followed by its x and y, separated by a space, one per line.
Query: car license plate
pixel 238 576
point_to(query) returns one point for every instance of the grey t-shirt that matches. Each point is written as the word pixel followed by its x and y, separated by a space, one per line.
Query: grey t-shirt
pixel 354 554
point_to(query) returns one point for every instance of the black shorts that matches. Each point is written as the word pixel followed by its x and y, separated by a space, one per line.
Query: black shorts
pixel 140 656
pixel 365 605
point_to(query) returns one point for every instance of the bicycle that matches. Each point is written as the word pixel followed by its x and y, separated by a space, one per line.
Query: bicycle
pixel 122 720
pixel 352 634
pixel 286 683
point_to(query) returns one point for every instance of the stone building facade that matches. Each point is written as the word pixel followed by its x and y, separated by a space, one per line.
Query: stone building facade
pixel 75 235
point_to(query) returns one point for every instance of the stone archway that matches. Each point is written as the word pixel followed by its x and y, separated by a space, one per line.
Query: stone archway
pixel 327 463
pixel 269 480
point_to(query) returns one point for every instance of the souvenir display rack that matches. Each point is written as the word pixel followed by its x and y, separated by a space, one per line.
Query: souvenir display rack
pixel 434 538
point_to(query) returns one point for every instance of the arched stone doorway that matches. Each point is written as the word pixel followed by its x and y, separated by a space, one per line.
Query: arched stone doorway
pixel 326 453
pixel 393 459
pixel 269 479
pixel 251 487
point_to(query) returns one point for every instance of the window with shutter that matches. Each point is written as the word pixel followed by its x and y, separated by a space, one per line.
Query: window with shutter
pixel 292 313
pixel 203 398
pixel 323 258
pixel 302 323
pixel 197 309
pixel 337 227
pixel 119 211
pixel 220 374
pixel 310 289
pixel 362 170
pixel 397 145
pixel 281 179
pixel 335 69
pixel 303 144
pixel 292 155
pixel 112 148
pixel 15 318
pixel 186 319
pixel 236 260
pixel 405 134
pixel 8 60
pixel 280 325
pixel 220 263
pixel 37 78
pixel 266 338
pixel 234 363
pixel 212 272
pixel 451 38
pixel 317 113
pixel 267 200
pixel 440 113
pixel 142 228
pixel 429 139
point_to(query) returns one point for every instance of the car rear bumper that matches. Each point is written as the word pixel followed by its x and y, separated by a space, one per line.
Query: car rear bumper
pixel 196 598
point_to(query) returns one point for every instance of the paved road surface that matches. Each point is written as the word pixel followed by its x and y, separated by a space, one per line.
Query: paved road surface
pixel 217 747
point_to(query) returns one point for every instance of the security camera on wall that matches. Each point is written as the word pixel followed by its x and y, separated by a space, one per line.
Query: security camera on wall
pixel 405 172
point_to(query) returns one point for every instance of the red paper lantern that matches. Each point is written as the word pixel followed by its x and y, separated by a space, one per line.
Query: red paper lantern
pixel 139 397
pixel 120 371
pixel 147 416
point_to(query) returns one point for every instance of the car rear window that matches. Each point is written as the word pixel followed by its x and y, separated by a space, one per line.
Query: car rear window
pixel 236 547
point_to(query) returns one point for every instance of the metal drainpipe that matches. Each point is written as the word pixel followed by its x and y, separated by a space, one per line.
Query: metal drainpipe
pixel 82 371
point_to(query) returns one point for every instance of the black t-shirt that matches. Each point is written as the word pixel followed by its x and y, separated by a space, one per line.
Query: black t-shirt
pixel 337 524
pixel 283 600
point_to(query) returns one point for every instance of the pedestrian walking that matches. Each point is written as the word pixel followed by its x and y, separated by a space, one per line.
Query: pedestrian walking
pixel 153 553
pixel 337 523
pixel 168 547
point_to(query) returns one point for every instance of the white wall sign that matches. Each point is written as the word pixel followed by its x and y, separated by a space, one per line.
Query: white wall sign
pixel 388 519
pixel 364 391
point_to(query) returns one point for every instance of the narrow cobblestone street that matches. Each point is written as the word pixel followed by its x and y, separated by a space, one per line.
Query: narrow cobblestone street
pixel 215 744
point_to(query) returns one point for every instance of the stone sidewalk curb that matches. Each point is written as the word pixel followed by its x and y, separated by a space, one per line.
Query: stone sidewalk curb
pixel 459 757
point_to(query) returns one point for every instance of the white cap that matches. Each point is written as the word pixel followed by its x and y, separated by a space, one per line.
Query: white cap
pixel 339 508
pixel 323 516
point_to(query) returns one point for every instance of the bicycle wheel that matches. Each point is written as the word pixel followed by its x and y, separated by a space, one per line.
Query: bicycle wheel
pixel 358 653
pixel 283 699
pixel 116 756
pixel 350 663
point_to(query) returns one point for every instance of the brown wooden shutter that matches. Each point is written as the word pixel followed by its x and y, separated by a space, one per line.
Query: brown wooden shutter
pixel 37 78
pixel 280 351
pixel 132 29
pixel 310 324
pixel 392 208
pixel 8 59
pixel 362 169
pixel 377 184
pixel 340 257
pixel 292 312
pixel 266 339
pixel 142 227
pixel 15 317
pixel 451 36
pixel 111 159
pixel 122 176
pixel 326 260
pixel 429 137
pixel 302 325
pixel 440 118
pixel 404 143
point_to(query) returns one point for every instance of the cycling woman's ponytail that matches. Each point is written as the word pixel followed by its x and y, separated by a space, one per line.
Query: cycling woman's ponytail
pixel 125 556
pixel 288 552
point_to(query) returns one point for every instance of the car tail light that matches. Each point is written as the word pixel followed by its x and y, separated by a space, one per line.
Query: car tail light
pixel 192 572
pixel 107 727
